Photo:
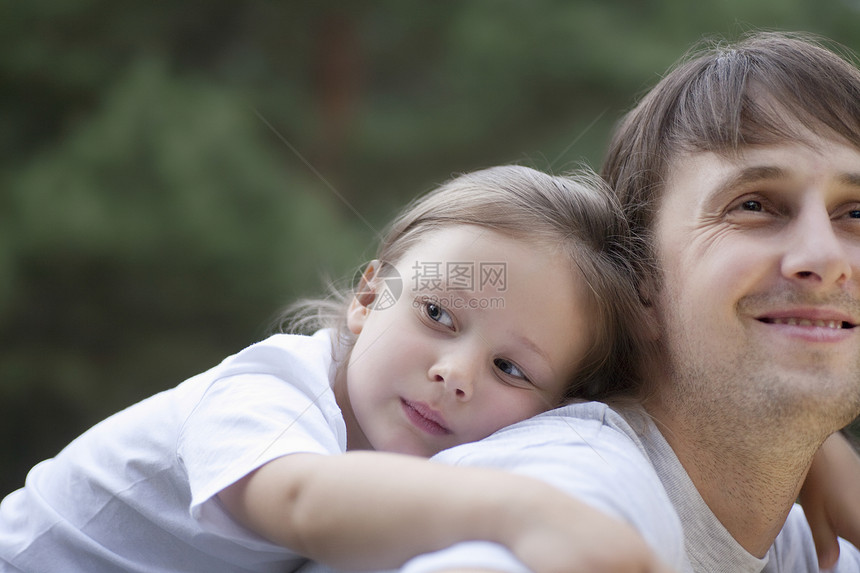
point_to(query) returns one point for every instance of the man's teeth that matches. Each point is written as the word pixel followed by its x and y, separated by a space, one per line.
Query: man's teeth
pixel 835 324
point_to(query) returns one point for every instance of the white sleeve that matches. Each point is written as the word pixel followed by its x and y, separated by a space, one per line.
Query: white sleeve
pixel 474 554
pixel 577 450
pixel 245 421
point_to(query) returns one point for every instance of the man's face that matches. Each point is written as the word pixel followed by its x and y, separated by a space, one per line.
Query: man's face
pixel 759 299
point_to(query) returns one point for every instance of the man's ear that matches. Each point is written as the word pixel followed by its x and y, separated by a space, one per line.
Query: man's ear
pixel 365 294
pixel 651 328
pixel 648 296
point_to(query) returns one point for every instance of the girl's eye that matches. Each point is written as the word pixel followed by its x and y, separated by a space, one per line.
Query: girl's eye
pixel 438 314
pixel 509 368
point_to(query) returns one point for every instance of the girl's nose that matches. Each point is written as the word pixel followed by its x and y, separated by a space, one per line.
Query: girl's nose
pixel 458 373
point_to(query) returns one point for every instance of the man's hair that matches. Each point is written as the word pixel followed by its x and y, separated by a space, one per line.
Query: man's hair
pixel 767 88
pixel 575 214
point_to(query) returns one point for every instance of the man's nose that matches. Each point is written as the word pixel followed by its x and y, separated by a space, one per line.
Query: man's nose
pixel 815 254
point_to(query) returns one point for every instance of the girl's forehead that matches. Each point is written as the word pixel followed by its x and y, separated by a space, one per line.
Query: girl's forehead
pixel 472 258
pixel 476 238
pixel 482 251
pixel 452 240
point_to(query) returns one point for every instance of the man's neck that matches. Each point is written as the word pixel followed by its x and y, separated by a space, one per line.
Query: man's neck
pixel 748 476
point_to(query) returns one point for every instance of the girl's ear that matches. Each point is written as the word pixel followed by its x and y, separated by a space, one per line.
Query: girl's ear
pixel 365 294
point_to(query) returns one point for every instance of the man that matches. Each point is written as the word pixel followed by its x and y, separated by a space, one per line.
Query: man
pixel 741 169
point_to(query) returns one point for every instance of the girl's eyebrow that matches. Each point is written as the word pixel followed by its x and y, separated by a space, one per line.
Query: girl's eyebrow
pixel 528 344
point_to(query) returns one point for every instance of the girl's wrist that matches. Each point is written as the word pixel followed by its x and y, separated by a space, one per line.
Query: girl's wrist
pixel 524 501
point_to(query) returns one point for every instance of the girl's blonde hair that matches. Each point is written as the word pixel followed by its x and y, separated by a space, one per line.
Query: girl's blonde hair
pixel 575 213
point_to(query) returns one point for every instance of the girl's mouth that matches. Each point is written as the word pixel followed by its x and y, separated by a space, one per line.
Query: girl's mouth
pixel 425 418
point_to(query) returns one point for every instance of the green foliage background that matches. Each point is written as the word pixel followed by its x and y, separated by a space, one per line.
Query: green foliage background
pixel 173 173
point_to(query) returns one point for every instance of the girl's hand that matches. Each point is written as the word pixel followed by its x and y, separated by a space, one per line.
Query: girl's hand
pixel 830 497
pixel 560 534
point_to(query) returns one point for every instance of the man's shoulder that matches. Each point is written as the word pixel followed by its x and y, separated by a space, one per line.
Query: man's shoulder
pixel 589 426
pixel 594 453
pixel 794 549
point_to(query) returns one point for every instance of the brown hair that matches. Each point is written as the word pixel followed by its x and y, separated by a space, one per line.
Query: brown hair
pixel 722 98
pixel 575 213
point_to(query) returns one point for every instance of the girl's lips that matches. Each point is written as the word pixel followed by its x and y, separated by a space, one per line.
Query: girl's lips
pixel 425 418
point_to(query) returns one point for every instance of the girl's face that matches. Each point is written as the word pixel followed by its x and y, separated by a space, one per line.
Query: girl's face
pixel 488 330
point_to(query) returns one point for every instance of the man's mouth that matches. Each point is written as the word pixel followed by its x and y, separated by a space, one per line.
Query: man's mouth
pixel 791 321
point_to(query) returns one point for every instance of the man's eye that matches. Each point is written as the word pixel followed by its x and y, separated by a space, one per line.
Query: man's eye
pixel 751 205
pixel 854 214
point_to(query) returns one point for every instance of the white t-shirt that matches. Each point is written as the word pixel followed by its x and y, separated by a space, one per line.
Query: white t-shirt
pixel 595 454
pixel 587 450
pixel 137 492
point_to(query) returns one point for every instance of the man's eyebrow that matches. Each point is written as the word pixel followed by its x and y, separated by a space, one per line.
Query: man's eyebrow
pixel 751 175
pixel 756 174
pixel 852 179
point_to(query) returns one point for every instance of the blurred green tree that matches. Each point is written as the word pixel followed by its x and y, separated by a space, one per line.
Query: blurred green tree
pixel 172 173
pixel 152 238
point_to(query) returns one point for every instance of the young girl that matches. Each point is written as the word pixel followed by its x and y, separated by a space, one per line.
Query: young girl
pixel 492 299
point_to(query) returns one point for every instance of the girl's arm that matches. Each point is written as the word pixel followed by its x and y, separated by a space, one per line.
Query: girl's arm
pixel 831 498
pixel 364 510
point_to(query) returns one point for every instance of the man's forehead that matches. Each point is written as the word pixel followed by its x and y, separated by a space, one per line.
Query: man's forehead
pixel 706 176
pixel 693 171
